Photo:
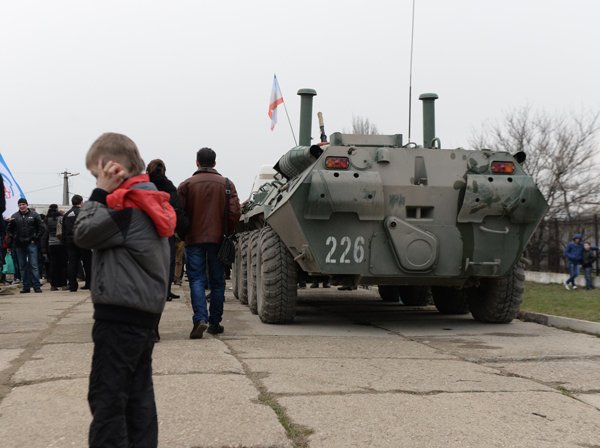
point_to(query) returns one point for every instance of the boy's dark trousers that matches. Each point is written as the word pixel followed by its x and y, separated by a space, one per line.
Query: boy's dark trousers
pixel 121 393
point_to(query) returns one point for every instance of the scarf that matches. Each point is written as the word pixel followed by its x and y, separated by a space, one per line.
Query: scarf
pixel 154 203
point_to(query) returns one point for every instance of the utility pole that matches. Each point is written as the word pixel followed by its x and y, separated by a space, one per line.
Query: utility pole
pixel 66 176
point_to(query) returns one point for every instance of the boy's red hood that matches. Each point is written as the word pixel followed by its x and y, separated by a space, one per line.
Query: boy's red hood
pixel 154 203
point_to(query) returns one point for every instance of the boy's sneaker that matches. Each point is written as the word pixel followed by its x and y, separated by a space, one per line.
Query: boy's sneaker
pixel 574 286
pixel 198 330
pixel 215 329
pixel 567 287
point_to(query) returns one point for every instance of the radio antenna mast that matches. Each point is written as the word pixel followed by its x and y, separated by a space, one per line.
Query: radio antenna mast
pixel 412 39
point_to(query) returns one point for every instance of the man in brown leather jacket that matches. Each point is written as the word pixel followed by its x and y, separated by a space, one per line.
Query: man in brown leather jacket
pixel 203 197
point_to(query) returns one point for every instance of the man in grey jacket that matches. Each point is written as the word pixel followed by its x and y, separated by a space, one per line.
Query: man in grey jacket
pixel 126 222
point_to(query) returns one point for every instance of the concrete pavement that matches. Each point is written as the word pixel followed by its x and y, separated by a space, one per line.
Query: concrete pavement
pixel 351 371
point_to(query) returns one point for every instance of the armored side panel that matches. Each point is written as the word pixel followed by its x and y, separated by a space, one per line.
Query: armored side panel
pixel 399 215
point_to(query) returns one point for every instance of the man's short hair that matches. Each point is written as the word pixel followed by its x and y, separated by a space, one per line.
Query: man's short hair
pixel 76 199
pixel 206 157
pixel 117 147
pixel 22 201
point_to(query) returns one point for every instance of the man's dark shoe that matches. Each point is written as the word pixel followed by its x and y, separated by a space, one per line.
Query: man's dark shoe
pixel 172 296
pixel 25 290
pixel 53 288
pixel 215 329
pixel 198 330
pixel 37 289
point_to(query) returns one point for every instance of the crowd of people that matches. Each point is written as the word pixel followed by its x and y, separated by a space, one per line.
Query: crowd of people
pixel 37 246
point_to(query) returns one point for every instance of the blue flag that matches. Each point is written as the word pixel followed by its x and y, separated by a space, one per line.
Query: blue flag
pixel 12 190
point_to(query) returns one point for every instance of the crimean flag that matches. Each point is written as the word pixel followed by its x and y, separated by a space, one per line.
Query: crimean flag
pixel 276 100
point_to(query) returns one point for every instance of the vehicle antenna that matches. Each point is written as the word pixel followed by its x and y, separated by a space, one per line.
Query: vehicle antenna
pixel 412 39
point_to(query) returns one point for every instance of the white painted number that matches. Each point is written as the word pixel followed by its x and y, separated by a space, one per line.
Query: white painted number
pixel 330 240
pixel 347 243
pixel 358 250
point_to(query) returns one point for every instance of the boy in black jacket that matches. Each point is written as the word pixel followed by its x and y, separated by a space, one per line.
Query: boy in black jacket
pixel 589 256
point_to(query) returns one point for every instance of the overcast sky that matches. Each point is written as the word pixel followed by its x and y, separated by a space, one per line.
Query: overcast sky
pixel 178 75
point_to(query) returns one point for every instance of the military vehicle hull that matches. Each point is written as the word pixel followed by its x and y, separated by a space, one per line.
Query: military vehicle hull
pixel 368 210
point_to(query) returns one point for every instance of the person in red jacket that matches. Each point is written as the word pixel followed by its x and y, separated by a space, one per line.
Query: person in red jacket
pixel 203 197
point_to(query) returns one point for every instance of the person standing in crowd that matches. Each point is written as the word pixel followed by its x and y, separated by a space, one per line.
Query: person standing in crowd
pixel 573 253
pixel 52 245
pixel 75 254
pixel 203 198
pixel 588 258
pixel 157 170
pixel 25 229
pixel 179 260
pixel 127 222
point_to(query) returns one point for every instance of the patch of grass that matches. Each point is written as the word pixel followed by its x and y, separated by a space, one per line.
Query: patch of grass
pixel 297 433
pixel 556 300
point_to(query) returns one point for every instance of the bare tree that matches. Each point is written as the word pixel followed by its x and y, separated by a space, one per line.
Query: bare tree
pixel 560 155
pixel 363 126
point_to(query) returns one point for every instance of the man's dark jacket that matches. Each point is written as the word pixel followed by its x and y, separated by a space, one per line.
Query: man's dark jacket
pixel 25 228
pixel 202 196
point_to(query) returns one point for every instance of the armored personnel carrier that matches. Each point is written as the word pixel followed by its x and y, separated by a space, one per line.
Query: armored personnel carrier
pixel 416 221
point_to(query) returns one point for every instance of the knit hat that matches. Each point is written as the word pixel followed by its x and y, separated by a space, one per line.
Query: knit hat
pixel 22 201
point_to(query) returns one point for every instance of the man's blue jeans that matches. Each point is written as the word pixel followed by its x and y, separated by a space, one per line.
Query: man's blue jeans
pixel 28 266
pixel 573 272
pixel 198 257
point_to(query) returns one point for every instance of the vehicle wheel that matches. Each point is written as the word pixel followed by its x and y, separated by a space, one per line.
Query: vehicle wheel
pixel 450 300
pixel 497 300
pixel 389 293
pixel 243 280
pixel 415 295
pixel 277 280
pixel 251 263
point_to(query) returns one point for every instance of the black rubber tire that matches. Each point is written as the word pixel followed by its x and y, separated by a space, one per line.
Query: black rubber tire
pixel 450 300
pixel 251 264
pixel 243 278
pixel 415 295
pixel 389 293
pixel 277 289
pixel 498 300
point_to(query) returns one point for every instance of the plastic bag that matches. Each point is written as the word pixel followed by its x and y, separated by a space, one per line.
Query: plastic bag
pixel 9 264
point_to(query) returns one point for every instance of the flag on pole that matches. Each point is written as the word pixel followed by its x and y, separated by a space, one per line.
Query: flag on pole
pixel 12 190
pixel 276 100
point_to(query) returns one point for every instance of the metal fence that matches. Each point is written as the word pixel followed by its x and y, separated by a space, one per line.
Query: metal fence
pixel 546 247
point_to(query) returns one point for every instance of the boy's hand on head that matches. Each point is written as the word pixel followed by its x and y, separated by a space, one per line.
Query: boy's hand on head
pixel 109 176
